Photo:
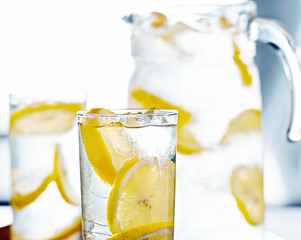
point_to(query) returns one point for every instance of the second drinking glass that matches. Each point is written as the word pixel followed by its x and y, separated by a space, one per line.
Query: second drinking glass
pixel 45 171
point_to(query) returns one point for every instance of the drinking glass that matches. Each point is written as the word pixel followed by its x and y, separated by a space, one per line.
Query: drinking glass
pixel 127 163
pixel 45 170
pixel 199 60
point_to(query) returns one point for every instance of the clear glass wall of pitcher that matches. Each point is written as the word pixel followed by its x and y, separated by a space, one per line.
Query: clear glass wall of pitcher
pixel 199 60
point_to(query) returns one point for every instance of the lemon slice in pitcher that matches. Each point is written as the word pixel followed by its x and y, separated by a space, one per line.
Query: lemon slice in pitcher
pixel 158 20
pixel 148 100
pixel 247 188
pixel 242 67
pixel 44 118
pixel 247 121
pixel 187 144
pixel 143 193
pixel 151 231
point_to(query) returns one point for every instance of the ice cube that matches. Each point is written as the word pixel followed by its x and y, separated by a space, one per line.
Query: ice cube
pixel 155 116
pixel 131 119
pixel 93 119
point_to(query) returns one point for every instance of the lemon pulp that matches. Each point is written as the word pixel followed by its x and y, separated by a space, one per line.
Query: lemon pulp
pixel 143 193
pixel 247 121
pixel 107 147
pixel 247 188
pixel 44 118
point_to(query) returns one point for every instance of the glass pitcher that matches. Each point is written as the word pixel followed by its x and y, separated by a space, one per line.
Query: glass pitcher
pixel 199 60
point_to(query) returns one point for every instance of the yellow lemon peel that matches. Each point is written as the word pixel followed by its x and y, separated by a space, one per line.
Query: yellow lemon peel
pixel 187 144
pixel 19 201
pixel 60 177
pixel 151 231
pixel 243 68
pixel 142 193
pixel 247 121
pixel 76 227
pixel 247 187
pixel 159 19
pixel 44 118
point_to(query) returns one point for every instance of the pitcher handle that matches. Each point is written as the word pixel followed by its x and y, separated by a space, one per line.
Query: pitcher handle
pixel 269 32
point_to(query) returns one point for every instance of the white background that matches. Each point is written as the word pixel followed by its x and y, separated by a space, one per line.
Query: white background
pixel 64 44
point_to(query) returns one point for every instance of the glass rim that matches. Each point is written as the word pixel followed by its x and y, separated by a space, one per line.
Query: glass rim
pixel 197 7
pixel 134 112
pixel 25 97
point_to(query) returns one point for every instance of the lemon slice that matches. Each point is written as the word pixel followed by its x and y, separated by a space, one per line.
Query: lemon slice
pixel 98 154
pixel 20 198
pixel 96 150
pixel 120 147
pixel 44 118
pixel 98 111
pixel 187 144
pixel 29 181
pixel 151 231
pixel 68 232
pixel 107 147
pixel 159 19
pixel 60 177
pixel 247 121
pixel 243 68
pixel 224 23
pixel 247 188
pixel 148 100
pixel 143 193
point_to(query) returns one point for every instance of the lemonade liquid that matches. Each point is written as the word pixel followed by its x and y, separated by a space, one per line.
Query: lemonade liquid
pixel 127 174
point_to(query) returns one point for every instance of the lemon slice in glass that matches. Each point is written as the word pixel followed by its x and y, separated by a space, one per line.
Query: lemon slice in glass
pixel 61 179
pixel 44 118
pixel 96 150
pixel 187 144
pixel 76 227
pixel 143 193
pixel 247 188
pixel 151 231
pixel 107 147
pixel 98 154
pixel 27 188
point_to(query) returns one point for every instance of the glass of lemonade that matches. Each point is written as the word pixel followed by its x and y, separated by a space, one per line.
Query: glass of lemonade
pixel 45 172
pixel 127 163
